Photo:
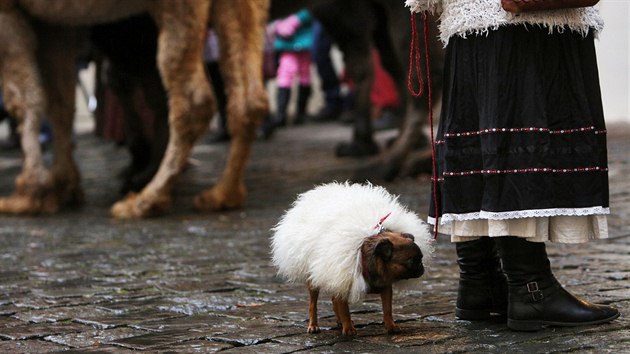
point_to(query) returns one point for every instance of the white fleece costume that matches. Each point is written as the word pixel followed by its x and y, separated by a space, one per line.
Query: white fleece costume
pixel 463 17
pixel 319 239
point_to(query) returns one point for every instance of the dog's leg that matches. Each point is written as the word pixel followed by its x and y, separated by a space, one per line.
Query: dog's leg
pixel 342 311
pixel 56 55
pixel 388 319
pixel 313 326
pixel 25 100
pixel 182 25
pixel 240 26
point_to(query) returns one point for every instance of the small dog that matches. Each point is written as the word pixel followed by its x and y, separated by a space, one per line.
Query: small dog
pixel 349 240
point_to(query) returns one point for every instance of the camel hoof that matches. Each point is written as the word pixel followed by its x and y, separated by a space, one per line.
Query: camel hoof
pixel 218 199
pixel 136 206
pixel 25 205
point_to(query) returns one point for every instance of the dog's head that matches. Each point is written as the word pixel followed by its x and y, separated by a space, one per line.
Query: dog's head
pixel 388 257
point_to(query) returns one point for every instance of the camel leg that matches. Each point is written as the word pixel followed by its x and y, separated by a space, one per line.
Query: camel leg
pixel 182 26
pixel 155 96
pixel 25 100
pixel 355 42
pixel 56 56
pixel 411 146
pixel 412 143
pixel 240 26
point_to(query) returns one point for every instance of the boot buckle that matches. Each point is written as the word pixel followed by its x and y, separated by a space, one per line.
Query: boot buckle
pixel 532 288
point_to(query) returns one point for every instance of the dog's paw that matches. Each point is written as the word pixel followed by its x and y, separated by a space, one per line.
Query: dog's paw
pixel 313 330
pixel 349 331
pixel 393 329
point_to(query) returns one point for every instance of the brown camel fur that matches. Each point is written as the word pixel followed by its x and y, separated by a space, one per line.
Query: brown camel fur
pixel 37 56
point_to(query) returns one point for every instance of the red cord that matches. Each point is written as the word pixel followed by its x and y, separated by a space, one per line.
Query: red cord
pixel 414 60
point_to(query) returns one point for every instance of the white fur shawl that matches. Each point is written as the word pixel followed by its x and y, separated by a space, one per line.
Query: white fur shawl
pixel 464 17
pixel 320 237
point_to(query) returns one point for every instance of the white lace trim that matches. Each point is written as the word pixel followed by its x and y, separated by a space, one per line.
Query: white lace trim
pixel 465 17
pixel 519 214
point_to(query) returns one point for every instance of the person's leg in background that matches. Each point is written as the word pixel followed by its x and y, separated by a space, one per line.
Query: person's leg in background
pixel 304 92
pixel 330 84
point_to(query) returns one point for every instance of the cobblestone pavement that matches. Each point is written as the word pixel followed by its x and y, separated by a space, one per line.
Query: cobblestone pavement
pixel 188 282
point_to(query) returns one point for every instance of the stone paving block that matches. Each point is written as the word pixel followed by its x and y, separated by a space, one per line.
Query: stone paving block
pixel 267 348
pixel 93 338
pixel 8 309
pixel 131 304
pixel 8 321
pixel 318 342
pixel 225 323
pixel 151 341
pixel 98 349
pixel 41 330
pixel 58 314
pixel 29 346
pixel 125 319
pixel 198 346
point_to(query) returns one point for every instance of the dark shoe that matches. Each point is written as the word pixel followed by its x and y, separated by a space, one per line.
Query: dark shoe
pixel 304 93
pixel 388 120
pixel 536 299
pixel 482 287
pixel 282 103
pixel 267 128
pixel 333 108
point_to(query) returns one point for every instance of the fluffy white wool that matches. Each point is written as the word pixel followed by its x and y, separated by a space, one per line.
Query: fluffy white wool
pixel 320 237
pixel 464 17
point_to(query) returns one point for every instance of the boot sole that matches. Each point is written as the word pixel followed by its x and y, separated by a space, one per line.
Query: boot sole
pixel 532 326
pixel 476 315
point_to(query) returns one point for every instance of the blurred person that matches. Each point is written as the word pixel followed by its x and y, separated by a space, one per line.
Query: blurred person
pixel 13 139
pixel 211 59
pixel 293 43
pixel 330 84
pixel 383 97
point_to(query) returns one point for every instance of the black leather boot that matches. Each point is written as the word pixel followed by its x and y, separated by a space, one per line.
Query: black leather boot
pixel 482 286
pixel 536 299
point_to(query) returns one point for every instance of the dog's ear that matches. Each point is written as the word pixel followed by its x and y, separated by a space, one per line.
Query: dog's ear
pixel 384 249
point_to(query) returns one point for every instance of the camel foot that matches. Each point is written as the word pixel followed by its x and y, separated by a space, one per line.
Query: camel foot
pixel 218 198
pixel 27 205
pixel 141 205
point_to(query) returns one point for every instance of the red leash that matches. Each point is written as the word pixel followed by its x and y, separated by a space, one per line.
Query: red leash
pixel 414 60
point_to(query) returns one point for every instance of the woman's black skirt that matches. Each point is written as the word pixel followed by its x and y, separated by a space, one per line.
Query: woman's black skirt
pixel 522 131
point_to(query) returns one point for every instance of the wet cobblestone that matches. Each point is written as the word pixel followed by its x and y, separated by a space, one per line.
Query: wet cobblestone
pixel 81 282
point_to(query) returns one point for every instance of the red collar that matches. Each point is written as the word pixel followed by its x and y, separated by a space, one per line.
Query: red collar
pixel 379 227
